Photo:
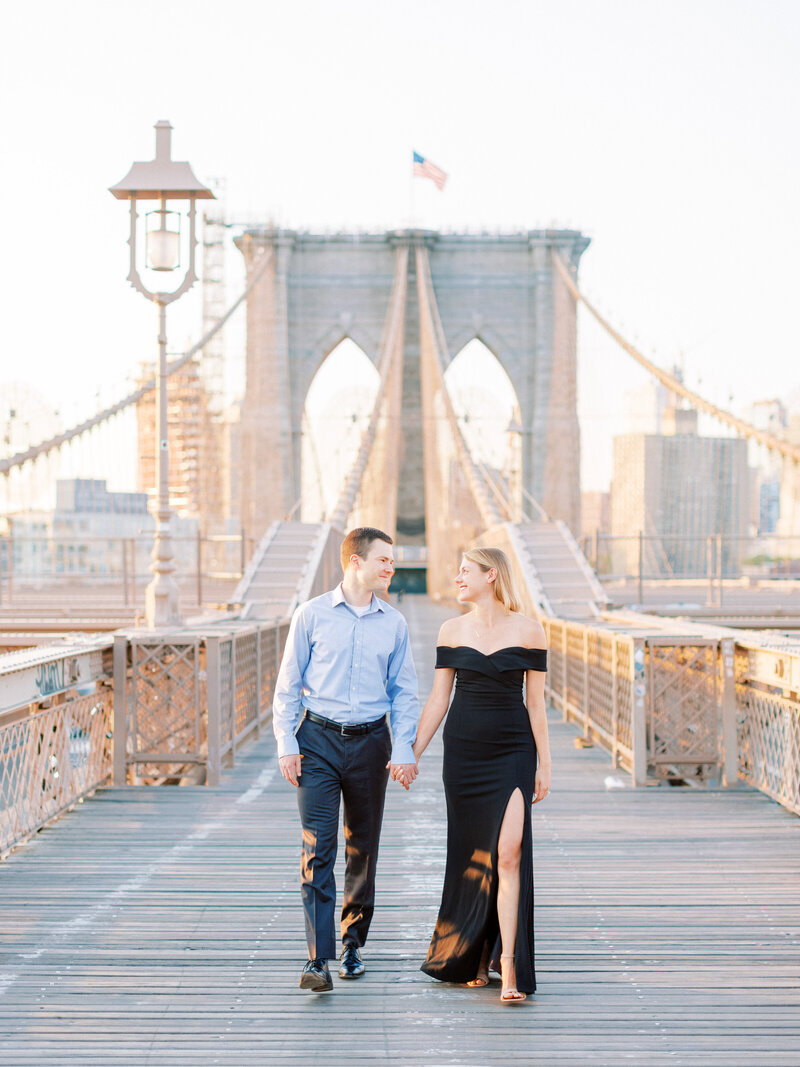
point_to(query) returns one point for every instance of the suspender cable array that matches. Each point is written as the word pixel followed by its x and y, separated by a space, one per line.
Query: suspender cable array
pixel 385 410
pixel 745 429
pixel 433 345
pixel 53 443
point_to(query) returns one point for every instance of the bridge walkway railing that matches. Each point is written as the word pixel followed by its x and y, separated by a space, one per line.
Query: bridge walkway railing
pixel 141 707
pixel 149 707
pixel 164 926
pixel 668 699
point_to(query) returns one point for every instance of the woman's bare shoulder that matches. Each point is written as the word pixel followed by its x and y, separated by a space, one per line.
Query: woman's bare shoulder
pixel 450 631
pixel 531 632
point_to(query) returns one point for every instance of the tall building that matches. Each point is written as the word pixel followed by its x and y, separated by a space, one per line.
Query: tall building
pixel 767 415
pixel 90 524
pixel 91 496
pixel 595 512
pixel 789 521
pixel 678 489
pixel 92 531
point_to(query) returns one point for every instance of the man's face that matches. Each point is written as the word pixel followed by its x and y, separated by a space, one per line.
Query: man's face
pixel 375 571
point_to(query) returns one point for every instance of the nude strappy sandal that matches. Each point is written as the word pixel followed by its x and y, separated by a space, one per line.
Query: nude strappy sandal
pixel 510 994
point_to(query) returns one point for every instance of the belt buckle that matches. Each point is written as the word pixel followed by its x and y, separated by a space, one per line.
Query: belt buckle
pixel 343 729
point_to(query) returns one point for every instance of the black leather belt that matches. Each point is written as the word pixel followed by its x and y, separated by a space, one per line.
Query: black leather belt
pixel 346 729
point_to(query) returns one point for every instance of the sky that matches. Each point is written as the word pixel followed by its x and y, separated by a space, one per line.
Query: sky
pixel 665 131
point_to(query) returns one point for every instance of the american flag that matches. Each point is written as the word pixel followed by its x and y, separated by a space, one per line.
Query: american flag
pixel 423 168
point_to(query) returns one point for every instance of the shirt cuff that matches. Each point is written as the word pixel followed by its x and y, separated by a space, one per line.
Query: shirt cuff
pixel 288 746
pixel 402 752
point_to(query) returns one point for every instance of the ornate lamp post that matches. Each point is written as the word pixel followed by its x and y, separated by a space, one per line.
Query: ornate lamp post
pixel 162 179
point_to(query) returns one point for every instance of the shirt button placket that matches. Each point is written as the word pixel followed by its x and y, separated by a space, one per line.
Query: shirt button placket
pixel 355 661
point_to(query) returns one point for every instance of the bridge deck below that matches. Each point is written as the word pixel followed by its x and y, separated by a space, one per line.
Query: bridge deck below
pixel 163 927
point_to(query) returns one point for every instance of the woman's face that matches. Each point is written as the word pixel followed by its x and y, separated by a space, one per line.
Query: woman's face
pixel 472 582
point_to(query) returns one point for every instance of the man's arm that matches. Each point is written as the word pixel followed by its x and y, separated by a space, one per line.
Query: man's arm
pixel 401 687
pixel 287 701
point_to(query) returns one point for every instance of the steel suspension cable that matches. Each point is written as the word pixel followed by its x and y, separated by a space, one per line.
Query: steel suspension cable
pixel 746 429
pixel 61 439
pixel 391 353
pixel 429 308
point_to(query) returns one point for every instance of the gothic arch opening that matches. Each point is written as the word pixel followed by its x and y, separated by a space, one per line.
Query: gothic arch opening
pixel 488 412
pixel 338 405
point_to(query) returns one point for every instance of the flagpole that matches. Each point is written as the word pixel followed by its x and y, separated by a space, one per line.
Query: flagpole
pixel 411 220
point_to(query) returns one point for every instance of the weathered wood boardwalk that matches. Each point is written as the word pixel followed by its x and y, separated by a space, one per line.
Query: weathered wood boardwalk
pixel 163 927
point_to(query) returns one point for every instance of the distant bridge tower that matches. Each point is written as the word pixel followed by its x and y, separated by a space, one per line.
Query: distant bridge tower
pixel 319 289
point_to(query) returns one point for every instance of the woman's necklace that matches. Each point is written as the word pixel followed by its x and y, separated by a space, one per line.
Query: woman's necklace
pixel 486 633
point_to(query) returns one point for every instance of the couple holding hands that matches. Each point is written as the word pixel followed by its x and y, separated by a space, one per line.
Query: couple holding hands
pixel 347 665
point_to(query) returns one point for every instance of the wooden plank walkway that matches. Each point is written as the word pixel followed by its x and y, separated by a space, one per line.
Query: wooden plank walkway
pixel 163 927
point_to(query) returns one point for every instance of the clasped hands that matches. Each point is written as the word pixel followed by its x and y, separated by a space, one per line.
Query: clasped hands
pixel 404 773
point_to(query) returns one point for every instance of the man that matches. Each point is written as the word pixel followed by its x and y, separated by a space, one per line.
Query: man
pixel 347 664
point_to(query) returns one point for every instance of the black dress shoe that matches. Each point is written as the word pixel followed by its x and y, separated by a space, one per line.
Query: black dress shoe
pixel 316 977
pixel 352 966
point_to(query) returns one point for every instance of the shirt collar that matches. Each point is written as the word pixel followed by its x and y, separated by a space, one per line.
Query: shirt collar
pixel 337 597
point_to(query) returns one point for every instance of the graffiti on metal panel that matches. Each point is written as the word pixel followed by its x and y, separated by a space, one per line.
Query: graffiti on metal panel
pixel 50 678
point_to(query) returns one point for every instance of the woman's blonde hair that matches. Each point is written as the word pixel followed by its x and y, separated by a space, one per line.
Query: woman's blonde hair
pixel 504 588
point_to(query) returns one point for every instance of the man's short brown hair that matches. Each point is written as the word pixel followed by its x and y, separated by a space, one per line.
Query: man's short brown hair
pixel 358 543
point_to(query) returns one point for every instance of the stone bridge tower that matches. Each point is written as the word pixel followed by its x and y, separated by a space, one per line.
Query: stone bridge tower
pixel 317 290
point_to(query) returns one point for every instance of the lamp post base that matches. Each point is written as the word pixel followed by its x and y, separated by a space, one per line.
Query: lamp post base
pixel 161 603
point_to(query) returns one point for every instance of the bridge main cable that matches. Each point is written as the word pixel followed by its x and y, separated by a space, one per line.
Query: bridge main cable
pixel 431 331
pixel 390 364
pixel 52 443
pixel 746 429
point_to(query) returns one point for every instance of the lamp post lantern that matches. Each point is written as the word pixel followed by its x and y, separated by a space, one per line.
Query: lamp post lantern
pixel 162 179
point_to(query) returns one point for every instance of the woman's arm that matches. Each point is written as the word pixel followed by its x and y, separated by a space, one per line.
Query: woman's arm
pixel 537 712
pixel 435 708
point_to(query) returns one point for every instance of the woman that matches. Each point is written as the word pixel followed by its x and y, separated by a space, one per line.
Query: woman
pixel 496 763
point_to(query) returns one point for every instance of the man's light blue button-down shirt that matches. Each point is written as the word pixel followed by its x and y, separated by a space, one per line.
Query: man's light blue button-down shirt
pixel 350 668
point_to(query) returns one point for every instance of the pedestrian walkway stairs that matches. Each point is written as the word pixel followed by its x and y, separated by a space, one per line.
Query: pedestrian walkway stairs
pixel 290 554
pixel 272 584
pixel 570 588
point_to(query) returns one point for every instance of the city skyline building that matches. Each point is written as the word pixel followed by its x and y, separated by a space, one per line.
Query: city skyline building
pixel 91 531
pixel 595 512
pixel 770 415
pixel 83 534
pixel 678 489
pixel 789 519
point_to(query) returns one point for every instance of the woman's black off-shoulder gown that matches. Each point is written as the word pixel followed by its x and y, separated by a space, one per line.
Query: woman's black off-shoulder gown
pixel 489 751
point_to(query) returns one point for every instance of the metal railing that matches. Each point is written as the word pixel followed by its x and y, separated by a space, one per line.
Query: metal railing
pixel 663 706
pixel 707 710
pixel 681 557
pixel 186 701
pixel 56 710
pixel 33 567
pixel 179 707
pixel 767 685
